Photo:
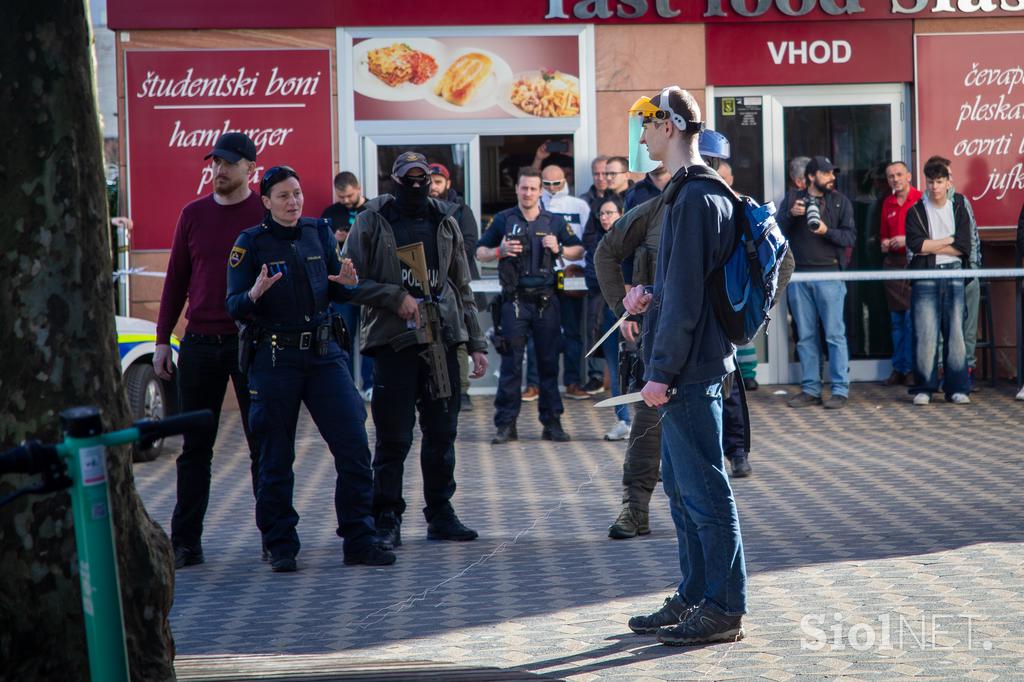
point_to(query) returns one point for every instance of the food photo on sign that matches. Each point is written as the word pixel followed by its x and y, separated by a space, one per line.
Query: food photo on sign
pixel 483 77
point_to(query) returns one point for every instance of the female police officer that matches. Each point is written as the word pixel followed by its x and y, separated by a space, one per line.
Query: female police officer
pixel 282 274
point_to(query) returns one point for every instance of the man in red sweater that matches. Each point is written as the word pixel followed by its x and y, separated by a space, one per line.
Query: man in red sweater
pixel 206 231
pixel 893 231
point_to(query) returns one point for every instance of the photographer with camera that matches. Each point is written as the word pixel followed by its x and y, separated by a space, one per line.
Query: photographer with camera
pixel 818 221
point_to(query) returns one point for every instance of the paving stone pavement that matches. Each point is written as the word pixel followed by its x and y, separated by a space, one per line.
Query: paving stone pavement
pixel 883 541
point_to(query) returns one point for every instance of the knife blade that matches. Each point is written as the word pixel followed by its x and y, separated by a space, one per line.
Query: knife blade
pixel 627 398
pixel 608 333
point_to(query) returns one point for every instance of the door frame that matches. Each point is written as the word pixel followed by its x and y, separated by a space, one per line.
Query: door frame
pixel 778 369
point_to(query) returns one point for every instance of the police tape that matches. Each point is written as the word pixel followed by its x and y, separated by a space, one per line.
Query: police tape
pixel 493 286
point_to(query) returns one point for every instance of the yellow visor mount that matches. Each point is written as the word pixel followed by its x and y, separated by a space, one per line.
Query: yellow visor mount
pixel 639 160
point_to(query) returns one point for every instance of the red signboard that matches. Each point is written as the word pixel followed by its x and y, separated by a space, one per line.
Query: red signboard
pixel 420 78
pixel 970 109
pixel 179 102
pixel 192 14
pixel 809 53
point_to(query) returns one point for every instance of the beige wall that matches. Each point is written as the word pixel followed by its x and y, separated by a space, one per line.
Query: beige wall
pixel 633 61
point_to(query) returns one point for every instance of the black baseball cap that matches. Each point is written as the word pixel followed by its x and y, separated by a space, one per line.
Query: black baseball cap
pixel 406 161
pixel 821 163
pixel 233 146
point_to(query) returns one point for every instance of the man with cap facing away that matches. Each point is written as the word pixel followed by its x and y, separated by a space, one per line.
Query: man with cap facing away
pixel 687 358
pixel 441 189
pixel 818 221
pixel 404 382
pixel 208 357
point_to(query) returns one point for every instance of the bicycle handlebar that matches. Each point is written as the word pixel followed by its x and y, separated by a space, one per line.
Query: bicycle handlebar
pixel 154 429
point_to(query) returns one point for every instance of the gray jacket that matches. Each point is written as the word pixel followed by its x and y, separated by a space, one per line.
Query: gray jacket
pixel 372 248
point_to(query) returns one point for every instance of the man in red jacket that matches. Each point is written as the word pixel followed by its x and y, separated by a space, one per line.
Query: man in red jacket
pixel 208 357
pixel 893 232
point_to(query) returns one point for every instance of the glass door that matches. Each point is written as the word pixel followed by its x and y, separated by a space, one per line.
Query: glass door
pixel 861 128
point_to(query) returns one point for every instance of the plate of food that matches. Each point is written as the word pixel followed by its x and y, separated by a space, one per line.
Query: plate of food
pixel 470 80
pixel 543 93
pixel 396 69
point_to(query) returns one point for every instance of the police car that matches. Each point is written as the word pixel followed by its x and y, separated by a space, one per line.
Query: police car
pixel 149 397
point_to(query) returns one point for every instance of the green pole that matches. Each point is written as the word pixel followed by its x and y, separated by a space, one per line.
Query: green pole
pixel 86 453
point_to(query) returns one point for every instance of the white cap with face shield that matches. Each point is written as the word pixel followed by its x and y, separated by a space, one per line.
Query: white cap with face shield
pixel 657 108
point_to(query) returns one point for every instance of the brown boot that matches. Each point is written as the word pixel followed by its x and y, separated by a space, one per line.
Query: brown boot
pixel 630 523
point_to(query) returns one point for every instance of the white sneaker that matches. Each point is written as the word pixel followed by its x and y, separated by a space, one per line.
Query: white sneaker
pixel 618 432
pixel 1020 393
pixel 960 399
pixel 368 394
pixel 922 398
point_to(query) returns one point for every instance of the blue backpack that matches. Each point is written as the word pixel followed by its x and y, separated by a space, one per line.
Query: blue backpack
pixel 744 288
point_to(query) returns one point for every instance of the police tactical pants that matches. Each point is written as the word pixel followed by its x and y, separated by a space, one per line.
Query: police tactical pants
pixel 280 382
pixel 399 392
pixel 518 319
pixel 205 364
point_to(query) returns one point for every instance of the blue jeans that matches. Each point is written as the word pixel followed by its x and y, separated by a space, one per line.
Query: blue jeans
pixel 700 498
pixel 902 341
pixel 610 347
pixel 811 302
pixel 938 308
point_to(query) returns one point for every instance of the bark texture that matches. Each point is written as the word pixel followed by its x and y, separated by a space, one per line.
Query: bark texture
pixel 58 346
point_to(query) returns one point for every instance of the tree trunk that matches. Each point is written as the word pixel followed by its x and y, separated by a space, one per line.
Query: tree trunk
pixel 58 339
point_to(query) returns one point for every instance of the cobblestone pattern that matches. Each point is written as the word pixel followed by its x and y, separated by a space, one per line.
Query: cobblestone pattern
pixel 893 530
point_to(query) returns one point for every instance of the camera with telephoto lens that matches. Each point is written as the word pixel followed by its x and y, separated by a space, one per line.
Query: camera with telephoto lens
pixel 813 214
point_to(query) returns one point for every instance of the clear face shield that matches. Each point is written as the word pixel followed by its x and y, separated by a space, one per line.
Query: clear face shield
pixel 639 160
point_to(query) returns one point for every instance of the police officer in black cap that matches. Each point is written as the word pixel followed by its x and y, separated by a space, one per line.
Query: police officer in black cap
pixel 282 276
pixel 419 309
pixel 526 239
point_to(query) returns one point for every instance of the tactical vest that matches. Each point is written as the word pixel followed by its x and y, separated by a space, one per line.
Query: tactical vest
pixel 532 271
pixel 298 301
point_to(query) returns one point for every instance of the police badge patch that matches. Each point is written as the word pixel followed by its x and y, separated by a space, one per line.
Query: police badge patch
pixel 237 254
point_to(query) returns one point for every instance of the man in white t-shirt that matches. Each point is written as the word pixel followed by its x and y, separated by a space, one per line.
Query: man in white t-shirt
pixel 939 237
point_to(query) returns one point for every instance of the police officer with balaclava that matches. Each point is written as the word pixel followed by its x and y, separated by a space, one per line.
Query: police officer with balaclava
pixel 413 329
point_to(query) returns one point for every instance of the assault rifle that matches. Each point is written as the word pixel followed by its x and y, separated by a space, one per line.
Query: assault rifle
pixel 429 332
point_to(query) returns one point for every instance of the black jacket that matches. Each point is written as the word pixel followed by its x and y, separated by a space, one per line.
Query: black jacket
pixel 469 228
pixel 836 211
pixel 917 232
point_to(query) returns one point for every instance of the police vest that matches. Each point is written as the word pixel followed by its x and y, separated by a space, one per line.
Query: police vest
pixel 298 301
pixel 532 270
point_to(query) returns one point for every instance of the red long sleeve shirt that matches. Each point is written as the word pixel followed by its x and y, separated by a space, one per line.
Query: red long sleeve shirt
pixel 197 269
pixel 894 216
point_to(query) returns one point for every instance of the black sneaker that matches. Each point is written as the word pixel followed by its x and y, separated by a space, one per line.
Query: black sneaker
pixel 553 431
pixel 705 624
pixel 188 556
pixel 802 399
pixel 505 434
pixel 671 612
pixel 594 387
pixel 371 556
pixel 284 564
pixel 835 402
pixel 389 531
pixel 740 466
pixel 448 527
